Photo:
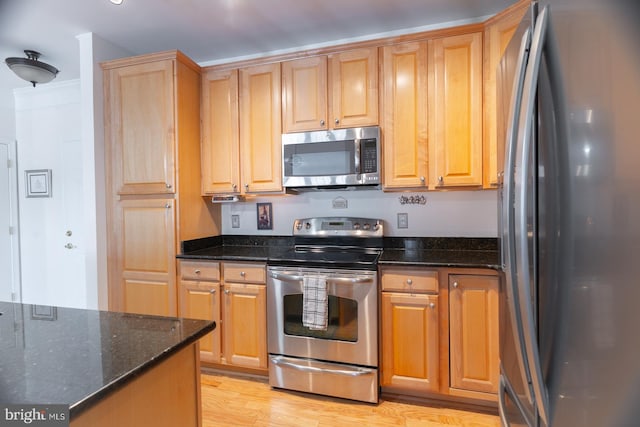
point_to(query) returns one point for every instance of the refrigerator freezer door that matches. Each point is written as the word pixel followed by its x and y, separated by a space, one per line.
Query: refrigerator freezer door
pixel 525 183
pixel 514 369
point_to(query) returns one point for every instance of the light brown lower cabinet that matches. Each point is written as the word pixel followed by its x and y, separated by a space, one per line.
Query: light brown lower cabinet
pixel 234 295
pixel 439 333
pixel 410 342
pixel 473 334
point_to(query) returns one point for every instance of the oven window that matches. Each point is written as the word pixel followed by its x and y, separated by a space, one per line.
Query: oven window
pixel 342 322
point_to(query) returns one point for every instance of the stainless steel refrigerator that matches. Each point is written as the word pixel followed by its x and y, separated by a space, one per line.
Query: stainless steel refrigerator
pixel 569 97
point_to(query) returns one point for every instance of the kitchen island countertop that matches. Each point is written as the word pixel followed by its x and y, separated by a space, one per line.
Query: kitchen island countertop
pixel 76 357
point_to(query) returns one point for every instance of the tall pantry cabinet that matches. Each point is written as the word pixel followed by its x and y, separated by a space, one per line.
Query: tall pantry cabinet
pixel 152 151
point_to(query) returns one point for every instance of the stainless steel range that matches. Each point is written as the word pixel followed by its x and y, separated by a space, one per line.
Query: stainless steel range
pixel 322 306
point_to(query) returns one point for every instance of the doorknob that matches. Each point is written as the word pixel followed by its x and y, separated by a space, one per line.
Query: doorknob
pixel 69 246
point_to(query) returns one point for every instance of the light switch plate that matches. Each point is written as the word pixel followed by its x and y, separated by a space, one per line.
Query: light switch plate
pixel 235 221
pixel 403 220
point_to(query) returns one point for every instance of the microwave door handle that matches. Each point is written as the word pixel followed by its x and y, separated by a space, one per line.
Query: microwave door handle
pixel 522 245
pixel 357 149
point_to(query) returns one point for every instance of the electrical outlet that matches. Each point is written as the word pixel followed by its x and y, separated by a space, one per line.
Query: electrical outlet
pixel 403 220
pixel 235 221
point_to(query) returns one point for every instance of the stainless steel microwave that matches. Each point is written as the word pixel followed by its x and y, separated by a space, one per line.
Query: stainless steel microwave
pixel 340 158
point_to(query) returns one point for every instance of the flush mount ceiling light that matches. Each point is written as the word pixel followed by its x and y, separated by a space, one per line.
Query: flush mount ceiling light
pixel 116 1
pixel 32 70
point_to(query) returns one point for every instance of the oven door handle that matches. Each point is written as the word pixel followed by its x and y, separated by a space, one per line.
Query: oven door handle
pixel 355 372
pixel 346 280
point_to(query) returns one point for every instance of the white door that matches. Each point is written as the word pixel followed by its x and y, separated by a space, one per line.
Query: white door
pixel 9 250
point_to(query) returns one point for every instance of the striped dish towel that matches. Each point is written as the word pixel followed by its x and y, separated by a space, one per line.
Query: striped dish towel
pixel 314 302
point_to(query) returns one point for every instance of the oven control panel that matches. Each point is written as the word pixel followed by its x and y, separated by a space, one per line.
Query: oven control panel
pixel 338 226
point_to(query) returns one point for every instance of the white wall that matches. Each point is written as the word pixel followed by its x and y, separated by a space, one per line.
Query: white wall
pixel 7 122
pixel 445 214
pixel 48 137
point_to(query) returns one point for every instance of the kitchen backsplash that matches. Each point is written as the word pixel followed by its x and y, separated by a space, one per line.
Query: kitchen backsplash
pixel 443 214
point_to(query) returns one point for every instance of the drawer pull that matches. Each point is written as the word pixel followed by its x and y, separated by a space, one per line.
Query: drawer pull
pixel 409 282
pixel 197 271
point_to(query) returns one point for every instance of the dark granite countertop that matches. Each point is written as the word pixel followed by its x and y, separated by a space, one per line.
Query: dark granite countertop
pixel 416 251
pixel 54 355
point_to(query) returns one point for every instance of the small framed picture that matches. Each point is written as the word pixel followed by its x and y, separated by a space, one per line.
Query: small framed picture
pixel 265 216
pixel 38 182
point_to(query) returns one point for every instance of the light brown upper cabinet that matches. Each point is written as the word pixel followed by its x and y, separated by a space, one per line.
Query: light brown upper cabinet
pixel 140 125
pixel 497 35
pixel 335 91
pixel 404 115
pixel 260 129
pixel 220 132
pixel 455 111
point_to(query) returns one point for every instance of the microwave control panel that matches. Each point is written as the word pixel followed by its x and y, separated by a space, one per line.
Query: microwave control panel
pixel 368 155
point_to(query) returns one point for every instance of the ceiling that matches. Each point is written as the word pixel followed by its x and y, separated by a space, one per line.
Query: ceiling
pixel 211 31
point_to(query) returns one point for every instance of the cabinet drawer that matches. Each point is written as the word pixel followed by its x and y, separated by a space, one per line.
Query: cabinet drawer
pixel 244 273
pixel 407 280
pixel 206 271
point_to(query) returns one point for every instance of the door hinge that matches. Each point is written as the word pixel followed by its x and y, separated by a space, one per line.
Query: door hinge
pixel 9 163
pixel 12 230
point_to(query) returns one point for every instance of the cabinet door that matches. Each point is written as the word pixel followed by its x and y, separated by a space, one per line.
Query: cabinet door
pixel 201 300
pixel 304 94
pixel 145 266
pixel 404 121
pixel 410 350
pixel 455 111
pixel 245 330
pixel 220 133
pixel 353 88
pixel 140 130
pixel 260 129
pixel 473 332
pixel 496 38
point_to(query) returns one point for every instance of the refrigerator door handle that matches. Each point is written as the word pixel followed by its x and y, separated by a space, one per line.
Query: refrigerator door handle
pixel 524 159
pixel 508 223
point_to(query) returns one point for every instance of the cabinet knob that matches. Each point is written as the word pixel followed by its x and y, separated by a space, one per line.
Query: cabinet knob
pixel 321 122
pixel 235 187
pixel 168 185
pixel 226 291
pixel 409 282
pixel 422 179
pixel 337 121
pixel 212 291
pixel 432 305
pixel 242 273
pixel 440 180
pixel 246 186
pixel 197 271
pixel 455 284
pixel 167 206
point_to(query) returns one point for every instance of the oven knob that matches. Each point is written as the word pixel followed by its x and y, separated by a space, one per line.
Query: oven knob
pixel 356 226
pixel 307 225
pixel 376 227
pixel 298 225
pixel 366 226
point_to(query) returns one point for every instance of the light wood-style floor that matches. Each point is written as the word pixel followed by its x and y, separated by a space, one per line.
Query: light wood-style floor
pixel 241 401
